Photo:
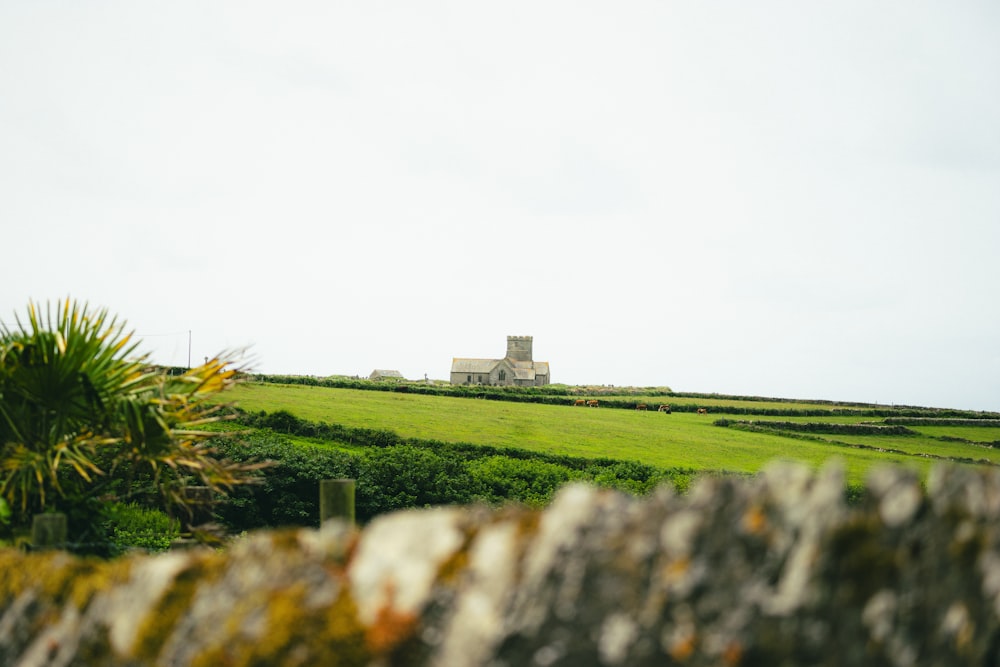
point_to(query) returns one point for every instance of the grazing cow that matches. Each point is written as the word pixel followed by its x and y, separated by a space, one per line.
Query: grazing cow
pixel 592 404
pixel 664 408
pixel 580 401
pixel 641 406
pixel 702 411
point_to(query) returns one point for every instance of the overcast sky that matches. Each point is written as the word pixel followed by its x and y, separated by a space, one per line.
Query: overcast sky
pixel 776 198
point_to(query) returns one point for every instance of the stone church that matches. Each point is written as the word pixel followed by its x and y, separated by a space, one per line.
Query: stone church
pixel 516 369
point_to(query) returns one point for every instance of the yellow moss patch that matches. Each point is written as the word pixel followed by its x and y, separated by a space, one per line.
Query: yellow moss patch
pixel 92 577
pixel 754 520
pixel 458 561
pixel 57 576
pixel 285 540
pixel 345 634
pixel 160 622
pixel 675 570
pixel 527 522
pixel 293 634
pixel 12 580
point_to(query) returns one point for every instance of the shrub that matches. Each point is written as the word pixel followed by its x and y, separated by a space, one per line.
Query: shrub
pixel 405 476
pixel 630 476
pixel 287 492
pixel 498 479
pixel 129 527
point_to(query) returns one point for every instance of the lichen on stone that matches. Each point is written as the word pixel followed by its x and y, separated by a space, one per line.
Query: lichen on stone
pixel 773 570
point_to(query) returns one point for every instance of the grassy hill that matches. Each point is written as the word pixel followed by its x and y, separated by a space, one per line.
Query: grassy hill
pixel 813 433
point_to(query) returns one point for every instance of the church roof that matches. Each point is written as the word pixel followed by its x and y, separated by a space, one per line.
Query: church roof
pixel 460 365
pixel 523 370
pixel 524 373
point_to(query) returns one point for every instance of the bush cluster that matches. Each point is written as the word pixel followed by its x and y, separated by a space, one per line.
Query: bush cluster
pixel 128 527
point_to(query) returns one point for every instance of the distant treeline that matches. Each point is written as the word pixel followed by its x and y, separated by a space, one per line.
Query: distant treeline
pixel 566 395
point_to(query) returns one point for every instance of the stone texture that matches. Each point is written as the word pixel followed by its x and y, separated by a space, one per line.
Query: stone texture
pixel 775 570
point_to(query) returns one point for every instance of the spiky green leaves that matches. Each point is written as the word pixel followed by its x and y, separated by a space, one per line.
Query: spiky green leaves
pixel 78 402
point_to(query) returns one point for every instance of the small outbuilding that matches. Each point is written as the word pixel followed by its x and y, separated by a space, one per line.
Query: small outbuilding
pixel 380 375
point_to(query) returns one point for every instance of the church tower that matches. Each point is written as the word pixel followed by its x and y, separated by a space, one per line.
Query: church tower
pixel 519 348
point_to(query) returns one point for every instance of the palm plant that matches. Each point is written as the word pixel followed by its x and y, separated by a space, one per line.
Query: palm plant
pixel 79 407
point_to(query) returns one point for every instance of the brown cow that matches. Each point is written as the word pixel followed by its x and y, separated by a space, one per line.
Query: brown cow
pixel 641 406
pixel 580 401
pixel 664 408
pixel 702 411
pixel 592 403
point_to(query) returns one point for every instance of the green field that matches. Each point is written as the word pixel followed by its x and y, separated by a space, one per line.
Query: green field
pixel 678 440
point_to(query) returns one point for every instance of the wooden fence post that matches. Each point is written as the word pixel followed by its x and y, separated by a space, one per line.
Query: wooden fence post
pixel 336 500
pixel 48 531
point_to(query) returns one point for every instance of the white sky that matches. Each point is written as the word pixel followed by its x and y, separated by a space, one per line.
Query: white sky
pixel 777 198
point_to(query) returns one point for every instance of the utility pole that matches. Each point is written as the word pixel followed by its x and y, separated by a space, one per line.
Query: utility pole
pixel 189 349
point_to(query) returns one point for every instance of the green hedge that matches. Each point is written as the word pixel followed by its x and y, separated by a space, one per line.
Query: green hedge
pixel 612 397
pixel 394 474
pixel 288 491
pixel 986 421
pixel 819 427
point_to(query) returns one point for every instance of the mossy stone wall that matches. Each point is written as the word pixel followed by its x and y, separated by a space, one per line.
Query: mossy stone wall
pixel 776 570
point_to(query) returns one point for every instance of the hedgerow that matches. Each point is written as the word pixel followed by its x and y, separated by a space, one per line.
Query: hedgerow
pixel 497 479
pixel 627 398
pixel 986 420
pixel 393 473
pixel 287 492
pixel 819 427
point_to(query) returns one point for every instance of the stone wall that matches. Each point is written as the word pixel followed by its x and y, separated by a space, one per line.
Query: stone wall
pixel 770 571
